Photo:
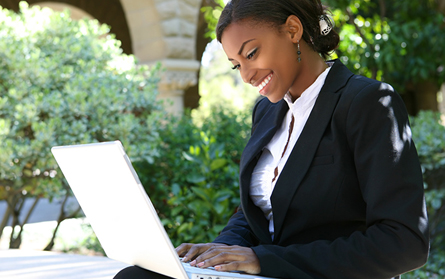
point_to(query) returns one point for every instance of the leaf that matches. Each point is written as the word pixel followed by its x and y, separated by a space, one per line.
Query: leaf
pixel 188 157
pixel 201 193
pixel 176 210
pixel 217 164
pixel 176 189
pixel 195 178
pixel 436 203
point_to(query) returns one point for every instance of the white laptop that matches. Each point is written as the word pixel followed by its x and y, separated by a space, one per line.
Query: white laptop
pixel 120 212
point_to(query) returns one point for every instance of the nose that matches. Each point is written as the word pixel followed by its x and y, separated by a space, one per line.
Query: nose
pixel 247 74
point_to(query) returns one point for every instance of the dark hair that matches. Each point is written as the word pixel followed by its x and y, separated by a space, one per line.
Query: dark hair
pixel 276 12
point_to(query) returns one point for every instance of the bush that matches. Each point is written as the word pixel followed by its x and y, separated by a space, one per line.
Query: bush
pixel 65 82
pixel 429 136
pixel 194 182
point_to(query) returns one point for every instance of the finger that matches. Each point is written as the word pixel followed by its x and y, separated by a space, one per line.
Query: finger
pixel 231 266
pixel 195 251
pixel 216 256
pixel 248 267
pixel 215 250
pixel 211 249
pixel 183 249
pixel 230 258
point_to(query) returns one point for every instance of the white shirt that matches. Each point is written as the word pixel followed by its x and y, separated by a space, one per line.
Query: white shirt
pixel 261 185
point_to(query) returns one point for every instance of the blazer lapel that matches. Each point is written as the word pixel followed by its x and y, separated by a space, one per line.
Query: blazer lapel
pixel 264 131
pixel 307 144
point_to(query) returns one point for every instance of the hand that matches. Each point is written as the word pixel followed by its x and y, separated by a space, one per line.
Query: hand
pixel 189 251
pixel 228 258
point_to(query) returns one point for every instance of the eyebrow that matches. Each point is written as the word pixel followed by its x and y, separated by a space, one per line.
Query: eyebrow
pixel 244 44
pixel 242 47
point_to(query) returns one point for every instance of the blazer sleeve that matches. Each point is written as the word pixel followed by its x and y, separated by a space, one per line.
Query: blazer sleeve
pixel 237 232
pixel 390 181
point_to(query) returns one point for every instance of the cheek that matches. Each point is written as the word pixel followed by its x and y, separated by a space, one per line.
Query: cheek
pixel 285 56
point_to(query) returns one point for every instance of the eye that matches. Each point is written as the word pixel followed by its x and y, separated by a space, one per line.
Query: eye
pixel 251 54
pixel 236 67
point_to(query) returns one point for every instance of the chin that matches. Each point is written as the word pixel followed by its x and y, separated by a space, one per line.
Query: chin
pixel 274 99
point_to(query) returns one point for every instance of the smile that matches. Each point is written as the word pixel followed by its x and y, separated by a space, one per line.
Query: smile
pixel 265 82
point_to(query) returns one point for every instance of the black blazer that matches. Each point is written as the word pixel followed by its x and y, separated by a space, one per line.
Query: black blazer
pixel 349 202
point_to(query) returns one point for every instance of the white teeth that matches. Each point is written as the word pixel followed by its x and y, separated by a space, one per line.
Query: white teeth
pixel 265 82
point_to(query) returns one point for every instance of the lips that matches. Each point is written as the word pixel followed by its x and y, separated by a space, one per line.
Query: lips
pixel 265 82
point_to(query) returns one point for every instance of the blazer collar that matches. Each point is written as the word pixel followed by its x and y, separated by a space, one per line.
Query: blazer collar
pixel 301 155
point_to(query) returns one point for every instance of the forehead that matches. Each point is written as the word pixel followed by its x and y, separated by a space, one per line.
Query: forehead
pixel 239 32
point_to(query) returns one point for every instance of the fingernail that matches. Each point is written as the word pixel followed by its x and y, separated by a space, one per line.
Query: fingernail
pixel 184 259
pixel 200 264
pixel 193 262
pixel 217 267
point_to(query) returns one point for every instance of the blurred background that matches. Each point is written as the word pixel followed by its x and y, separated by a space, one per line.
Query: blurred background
pixel 149 73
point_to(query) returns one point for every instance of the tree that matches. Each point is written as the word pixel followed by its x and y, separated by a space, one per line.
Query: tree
pixel 399 42
pixel 65 82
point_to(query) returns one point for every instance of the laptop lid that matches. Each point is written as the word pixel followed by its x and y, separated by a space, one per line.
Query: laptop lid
pixel 117 207
pixel 120 212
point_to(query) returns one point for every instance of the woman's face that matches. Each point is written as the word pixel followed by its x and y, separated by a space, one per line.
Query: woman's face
pixel 265 57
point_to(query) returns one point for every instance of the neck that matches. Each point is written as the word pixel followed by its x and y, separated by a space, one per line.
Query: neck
pixel 311 66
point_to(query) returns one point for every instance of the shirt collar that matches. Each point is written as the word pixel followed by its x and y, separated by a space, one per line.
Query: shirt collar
pixel 308 95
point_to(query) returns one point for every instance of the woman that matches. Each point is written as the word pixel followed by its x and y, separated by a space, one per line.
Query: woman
pixel 331 186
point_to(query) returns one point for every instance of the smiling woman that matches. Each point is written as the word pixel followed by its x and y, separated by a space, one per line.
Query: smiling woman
pixel 291 29
pixel 330 180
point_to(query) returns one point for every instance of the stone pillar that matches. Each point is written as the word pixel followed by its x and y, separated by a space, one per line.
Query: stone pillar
pixel 178 75
pixel 165 31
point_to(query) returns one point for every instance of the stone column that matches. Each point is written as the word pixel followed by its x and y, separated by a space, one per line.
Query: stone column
pixel 178 75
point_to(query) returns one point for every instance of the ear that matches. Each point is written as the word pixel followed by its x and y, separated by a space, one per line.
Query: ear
pixel 294 28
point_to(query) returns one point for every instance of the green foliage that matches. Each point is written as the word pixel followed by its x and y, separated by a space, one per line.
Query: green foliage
pixel 202 209
pixel 397 41
pixel 66 82
pixel 429 133
pixel 429 136
pixel 87 245
pixel 211 15
pixel 91 242
pixel 194 182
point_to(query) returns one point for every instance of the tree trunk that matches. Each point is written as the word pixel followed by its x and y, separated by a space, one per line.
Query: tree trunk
pixel 5 220
pixel 421 96
pixel 51 243
pixel 426 95
pixel 16 204
pixel 441 5
pixel 62 216
pixel 15 242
